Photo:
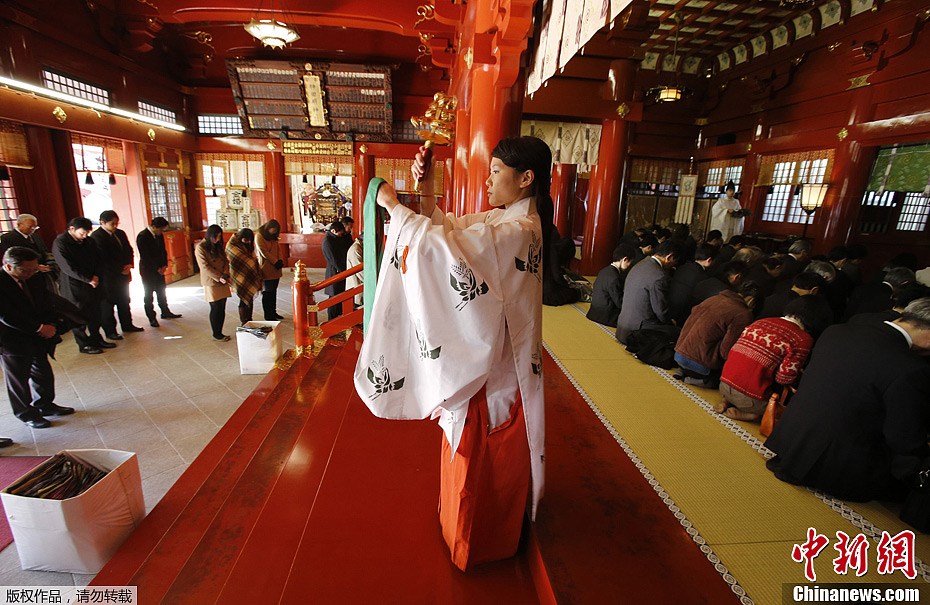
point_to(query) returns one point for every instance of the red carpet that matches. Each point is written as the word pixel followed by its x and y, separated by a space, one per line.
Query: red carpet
pixel 11 469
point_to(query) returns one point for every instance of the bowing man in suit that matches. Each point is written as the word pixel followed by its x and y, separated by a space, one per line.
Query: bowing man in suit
pixel 25 235
pixel 116 262
pixel 645 292
pixel 857 427
pixel 153 264
pixel 28 335
pixel 607 295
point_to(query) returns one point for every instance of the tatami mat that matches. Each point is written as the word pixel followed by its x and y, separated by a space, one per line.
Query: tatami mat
pixel 712 472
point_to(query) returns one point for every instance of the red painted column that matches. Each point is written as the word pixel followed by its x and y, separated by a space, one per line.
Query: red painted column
pixel 563 186
pixel 364 172
pixel 601 226
pixel 276 191
pixel 457 202
pixel 495 114
pixel 848 178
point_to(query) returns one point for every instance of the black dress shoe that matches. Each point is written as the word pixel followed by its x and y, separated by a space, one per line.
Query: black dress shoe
pixel 222 338
pixel 170 315
pixel 56 410
pixel 105 345
pixel 115 336
pixel 91 350
pixel 5 442
pixel 133 329
pixel 38 423
pixel 278 317
pixel 153 322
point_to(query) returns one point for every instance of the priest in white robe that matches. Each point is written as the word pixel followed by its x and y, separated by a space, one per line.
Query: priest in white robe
pixel 727 214
pixel 455 334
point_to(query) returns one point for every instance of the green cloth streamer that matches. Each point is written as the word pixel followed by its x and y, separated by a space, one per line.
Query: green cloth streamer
pixel 372 244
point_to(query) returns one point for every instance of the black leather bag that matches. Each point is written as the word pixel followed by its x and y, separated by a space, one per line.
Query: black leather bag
pixel 916 509
pixel 654 345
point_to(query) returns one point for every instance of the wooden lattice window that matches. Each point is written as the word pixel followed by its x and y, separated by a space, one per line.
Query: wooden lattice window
pixel 781 175
pixel 238 171
pixel 164 194
pixel 97 154
pixel 9 208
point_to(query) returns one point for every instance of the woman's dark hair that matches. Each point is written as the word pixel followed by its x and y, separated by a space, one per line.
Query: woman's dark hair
pixel 531 153
pixel 214 247
pixel 266 230
pixel 246 238
pixel 811 311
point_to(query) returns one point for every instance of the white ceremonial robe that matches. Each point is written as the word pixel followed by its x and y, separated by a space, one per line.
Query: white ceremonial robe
pixel 721 219
pixel 459 306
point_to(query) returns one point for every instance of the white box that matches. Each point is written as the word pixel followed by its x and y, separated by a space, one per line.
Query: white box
pixel 80 534
pixel 258 355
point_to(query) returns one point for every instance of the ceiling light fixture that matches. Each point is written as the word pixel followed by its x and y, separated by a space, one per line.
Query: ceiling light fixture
pixel 271 32
pixel 673 92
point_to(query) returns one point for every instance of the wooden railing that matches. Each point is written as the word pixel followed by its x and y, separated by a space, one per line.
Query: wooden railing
pixel 307 327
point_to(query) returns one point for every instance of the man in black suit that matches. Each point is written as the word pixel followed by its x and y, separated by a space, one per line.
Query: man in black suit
pixel 857 427
pixel 607 295
pixel 799 254
pixel 729 278
pixel 80 277
pixel 879 296
pixel 685 279
pixel 116 262
pixel 335 246
pixel 25 235
pixel 28 334
pixel 153 262
pixel 645 292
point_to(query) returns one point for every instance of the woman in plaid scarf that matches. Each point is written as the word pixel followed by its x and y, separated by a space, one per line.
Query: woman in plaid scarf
pixel 244 271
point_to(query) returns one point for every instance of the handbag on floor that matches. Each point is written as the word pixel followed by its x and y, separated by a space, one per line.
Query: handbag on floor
pixel 773 411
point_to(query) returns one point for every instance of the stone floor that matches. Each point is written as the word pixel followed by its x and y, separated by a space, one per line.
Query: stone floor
pixel 162 393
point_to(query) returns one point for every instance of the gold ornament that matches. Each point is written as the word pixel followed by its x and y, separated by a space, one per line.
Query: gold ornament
pixel 60 114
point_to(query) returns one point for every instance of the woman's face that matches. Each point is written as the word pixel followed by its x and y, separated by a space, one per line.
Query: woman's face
pixel 506 185
pixel 216 237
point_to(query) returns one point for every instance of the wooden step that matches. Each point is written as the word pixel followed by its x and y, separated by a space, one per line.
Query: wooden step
pixel 210 476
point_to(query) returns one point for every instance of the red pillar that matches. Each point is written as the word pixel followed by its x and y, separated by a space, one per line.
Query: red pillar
pixel 276 190
pixel 364 172
pixel 848 178
pixel 457 203
pixel 563 186
pixel 601 226
pixel 495 114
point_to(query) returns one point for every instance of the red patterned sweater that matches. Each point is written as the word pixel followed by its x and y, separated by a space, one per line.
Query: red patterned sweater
pixel 768 351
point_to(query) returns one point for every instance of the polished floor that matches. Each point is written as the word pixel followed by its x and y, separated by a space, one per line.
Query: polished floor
pixel 162 393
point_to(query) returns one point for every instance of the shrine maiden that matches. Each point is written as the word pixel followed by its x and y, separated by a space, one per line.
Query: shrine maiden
pixel 727 214
pixel 455 334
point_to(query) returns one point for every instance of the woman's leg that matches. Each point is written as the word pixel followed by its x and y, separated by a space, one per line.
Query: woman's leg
pixel 217 316
pixel 270 299
pixel 245 311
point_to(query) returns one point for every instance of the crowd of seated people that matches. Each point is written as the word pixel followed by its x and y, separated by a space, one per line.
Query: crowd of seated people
pixel 855 349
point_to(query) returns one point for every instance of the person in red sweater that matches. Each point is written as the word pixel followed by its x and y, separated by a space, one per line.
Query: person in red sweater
pixel 770 352
pixel 710 331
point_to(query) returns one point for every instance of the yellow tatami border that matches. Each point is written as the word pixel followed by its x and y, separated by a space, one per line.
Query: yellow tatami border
pixel 711 470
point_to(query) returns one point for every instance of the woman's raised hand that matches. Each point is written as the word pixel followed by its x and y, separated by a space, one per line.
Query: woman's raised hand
pixel 387 197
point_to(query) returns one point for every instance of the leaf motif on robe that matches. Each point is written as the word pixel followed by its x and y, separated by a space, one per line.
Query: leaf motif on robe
pixel 466 285
pixel 533 258
pixel 380 378
pixel 425 351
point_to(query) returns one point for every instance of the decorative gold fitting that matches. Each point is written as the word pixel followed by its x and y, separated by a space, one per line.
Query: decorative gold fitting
pixel 270 145
pixel 313 308
pixel 315 332
pixel 425 13
pixel 60 114
pixel 300 271
pixel 842 134
pixel 623 110
pixel 363 149
pixel 151 133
